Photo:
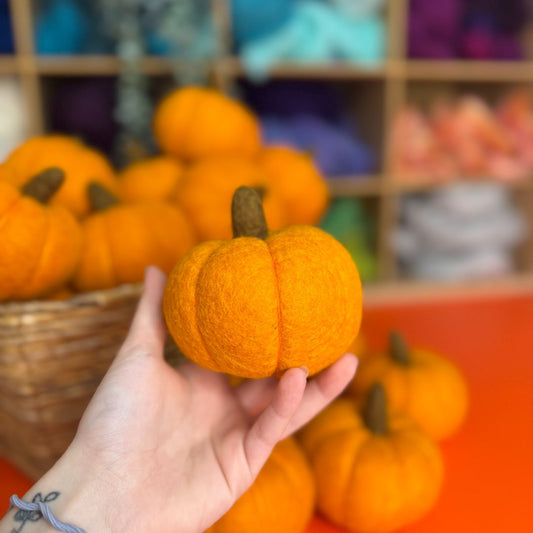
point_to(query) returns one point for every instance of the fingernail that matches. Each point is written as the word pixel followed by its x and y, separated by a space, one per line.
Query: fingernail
pixel 305 369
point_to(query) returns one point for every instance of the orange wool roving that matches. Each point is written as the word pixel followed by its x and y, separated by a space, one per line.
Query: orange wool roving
pixel 150 179
pixel 120 241
pixel 80 164
pixel 196 122
pixel 281 499
pixel 39 245
pixel 375 471
pixel 259 304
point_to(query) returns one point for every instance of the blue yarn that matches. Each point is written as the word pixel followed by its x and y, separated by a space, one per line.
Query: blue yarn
pixel 6 33
pixel 252 20
pixel 317 32
pixel 61 28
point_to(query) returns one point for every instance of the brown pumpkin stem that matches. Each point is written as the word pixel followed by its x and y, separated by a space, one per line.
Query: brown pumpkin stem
pixel 398 349
pixel 247 215
pixel 99 197
pixel 375 410
pixel 43 186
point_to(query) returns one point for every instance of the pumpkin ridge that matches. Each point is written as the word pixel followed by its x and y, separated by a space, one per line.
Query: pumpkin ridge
pixel 111 251
pixel 3 216
pixel 280 322
pixel 200 334
pixel 38 264
pixel 351 477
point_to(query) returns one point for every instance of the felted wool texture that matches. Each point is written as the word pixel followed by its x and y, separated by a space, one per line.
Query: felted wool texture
pixel 80 164
pixel 151 179
pixel 206 190
pixel 367 482
pixel 120 242
pixel 252 308
pixel 281 499
pixel 294 177
pixel 196 122
pixel 39 246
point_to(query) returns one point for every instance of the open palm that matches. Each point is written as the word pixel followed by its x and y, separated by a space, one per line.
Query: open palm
pixel 182 444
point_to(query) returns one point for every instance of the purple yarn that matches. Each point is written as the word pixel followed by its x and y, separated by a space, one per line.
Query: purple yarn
pixel 434 28
pixel 336 151
pixel 288 98
pixel 84 107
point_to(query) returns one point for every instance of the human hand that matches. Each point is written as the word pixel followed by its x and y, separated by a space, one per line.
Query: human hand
pixel 164 449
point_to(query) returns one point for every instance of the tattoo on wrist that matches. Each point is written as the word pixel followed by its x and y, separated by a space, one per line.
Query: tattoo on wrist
pixel 33 516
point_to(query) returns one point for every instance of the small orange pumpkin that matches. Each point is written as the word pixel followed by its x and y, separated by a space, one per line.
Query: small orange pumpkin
pixel 79 163
pixel 152 179
pixel 281 499
pixel 374 471
pixel 207 187
pixel 196 122
pixel 259 304
pixel 120 241
pixel 294 177
pixel 427 386
pixel 40 245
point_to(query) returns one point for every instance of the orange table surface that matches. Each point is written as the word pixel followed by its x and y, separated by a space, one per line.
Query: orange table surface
pixel 489 464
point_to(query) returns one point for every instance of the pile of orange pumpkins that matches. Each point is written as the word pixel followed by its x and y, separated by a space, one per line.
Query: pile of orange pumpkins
pixel 70 222
pixel 370 462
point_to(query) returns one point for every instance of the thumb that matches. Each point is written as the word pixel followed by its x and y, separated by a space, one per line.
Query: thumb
pixel 147 331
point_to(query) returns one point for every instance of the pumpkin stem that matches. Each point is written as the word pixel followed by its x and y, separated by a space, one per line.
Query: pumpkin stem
pixel 375 410
pixel 99 197
pixel 247 215
pixel 398 349
pixel 43 186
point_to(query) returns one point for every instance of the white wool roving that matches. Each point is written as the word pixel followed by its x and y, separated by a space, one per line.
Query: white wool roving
pixel 13 123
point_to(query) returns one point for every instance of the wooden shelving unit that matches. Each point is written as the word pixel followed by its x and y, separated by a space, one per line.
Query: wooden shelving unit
pixel 392 81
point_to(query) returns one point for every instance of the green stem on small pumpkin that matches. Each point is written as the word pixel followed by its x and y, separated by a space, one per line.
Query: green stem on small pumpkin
pixel 398 349
pixel 375 410
pixel 99 197
pixel 247 215
pixel 43 186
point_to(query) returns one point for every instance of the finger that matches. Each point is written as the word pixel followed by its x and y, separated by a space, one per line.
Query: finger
pixel 147 331
pixel 322 389
pixel 254 395
pixel 271 424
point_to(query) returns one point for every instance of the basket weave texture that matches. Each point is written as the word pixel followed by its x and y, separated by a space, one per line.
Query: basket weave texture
pixel 53 355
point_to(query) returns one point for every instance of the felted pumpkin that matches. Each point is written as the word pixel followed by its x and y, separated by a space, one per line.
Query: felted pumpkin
pixel 259 304
pixel 196 122
pixel 61 294
pixel 120 241
pixel 40 245
pixel 152 179
pixel 281 499
pixel 294 177
pixel 375 471
pixel 79 163
pixel 427 386
pixel 206 189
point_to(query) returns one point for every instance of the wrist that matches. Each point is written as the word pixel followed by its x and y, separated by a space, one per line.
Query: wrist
pixel 73 492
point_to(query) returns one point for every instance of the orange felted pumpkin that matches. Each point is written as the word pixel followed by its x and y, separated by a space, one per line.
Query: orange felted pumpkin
pixel 196 122
pixel 374 471
pixel 281 500
pixel 427 386
pixel 39 245
pixel 79 163
pixel 120 241
pixel 207 187
pixel 150 179
pixel 259 304
pixel 295 178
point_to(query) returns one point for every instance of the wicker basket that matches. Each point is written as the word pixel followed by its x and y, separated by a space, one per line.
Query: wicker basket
pixel 52 357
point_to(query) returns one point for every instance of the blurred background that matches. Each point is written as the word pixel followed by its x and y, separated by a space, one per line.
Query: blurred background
pixel 419 114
